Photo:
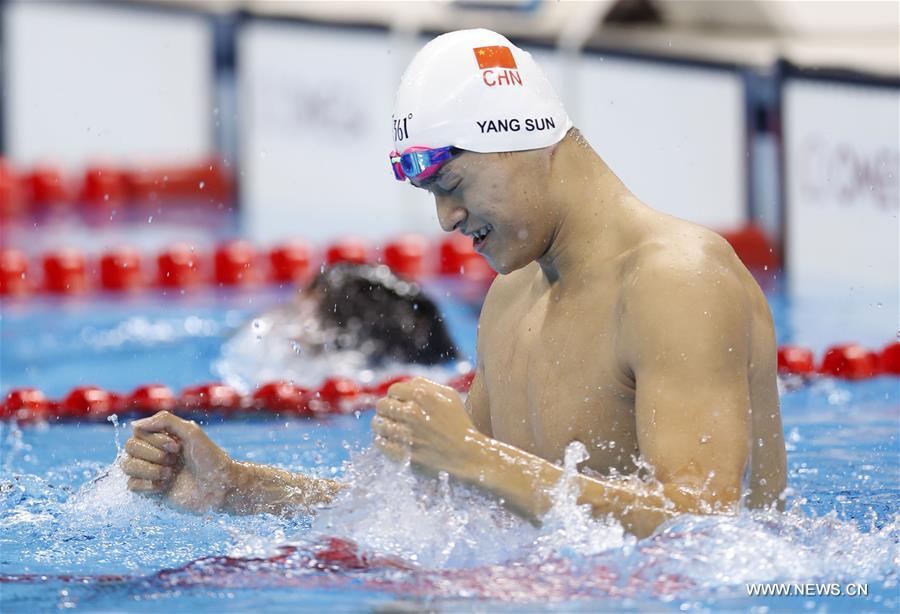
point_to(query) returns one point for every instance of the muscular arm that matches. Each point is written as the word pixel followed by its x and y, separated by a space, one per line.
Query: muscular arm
pixel 686 337
pixel 257 489
pixel 177 460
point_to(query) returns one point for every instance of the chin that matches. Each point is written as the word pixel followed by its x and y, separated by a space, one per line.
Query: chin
pixel 504 266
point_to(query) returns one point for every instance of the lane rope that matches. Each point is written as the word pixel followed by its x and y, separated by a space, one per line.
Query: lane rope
pixel 281 398
pixel 848 361
pixel 235 264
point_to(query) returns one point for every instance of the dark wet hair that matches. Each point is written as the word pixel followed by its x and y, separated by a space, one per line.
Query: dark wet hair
pixel 386 317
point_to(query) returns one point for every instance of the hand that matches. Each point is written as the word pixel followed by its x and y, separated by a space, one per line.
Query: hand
pixel 174 458
pixel 427 423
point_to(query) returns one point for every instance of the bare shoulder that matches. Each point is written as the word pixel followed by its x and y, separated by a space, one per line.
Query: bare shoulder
pixel 684 278
pixel 687 256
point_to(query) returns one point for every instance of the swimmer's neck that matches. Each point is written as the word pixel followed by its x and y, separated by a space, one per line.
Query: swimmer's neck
pixel 596 215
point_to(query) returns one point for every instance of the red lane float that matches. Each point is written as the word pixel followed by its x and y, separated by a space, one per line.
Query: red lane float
pixel 13 272
pixel 204 183
pixel 65 272
pixel 349 249
pixel 341 395
pixel 889 359
pixel 25 404
pixel 797 360
pixel 458 257
pixel 753 247
pixel 234 263
pixel 179 267
pixel 338 394
pixel 849 361
pixel 88 402
pixel 12 193
pixel 120 269
pixel 406 255
pixel 334 396
pixel 151 398
pixel 290 262
pixel 103 189
pixel 283 397
pixel 46 187
pixel 456 251
pixel 216 397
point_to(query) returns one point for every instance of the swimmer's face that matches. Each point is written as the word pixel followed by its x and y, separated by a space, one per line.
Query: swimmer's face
pixel 507 192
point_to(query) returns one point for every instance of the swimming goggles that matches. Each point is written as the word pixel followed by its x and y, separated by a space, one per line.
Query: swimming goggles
pixel 419 162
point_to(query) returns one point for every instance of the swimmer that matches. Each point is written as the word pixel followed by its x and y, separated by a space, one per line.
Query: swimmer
pixel 638 334
pixel 349 318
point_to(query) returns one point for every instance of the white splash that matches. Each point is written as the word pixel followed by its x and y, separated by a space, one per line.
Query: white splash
pixel 434 523
pixel 570 528
pixel 268 350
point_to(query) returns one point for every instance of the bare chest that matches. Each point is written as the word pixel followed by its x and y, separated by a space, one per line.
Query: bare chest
pixel 553 377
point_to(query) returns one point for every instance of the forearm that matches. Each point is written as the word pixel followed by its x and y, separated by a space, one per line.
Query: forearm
pixel 255 489
pixel 525 482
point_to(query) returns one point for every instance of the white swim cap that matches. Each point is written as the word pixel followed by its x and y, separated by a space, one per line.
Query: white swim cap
pixel 475 90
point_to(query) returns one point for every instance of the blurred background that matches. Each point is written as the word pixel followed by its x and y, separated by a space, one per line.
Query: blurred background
pixel 139 122
pixel 171 170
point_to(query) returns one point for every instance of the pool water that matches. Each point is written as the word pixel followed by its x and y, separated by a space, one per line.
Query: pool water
pixel 72 536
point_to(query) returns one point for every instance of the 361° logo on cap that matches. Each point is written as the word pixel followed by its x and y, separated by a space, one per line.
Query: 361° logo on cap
pixel 401 128
pixel 497 57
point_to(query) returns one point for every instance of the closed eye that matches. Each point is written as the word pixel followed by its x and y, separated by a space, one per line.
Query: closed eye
pixel 450 190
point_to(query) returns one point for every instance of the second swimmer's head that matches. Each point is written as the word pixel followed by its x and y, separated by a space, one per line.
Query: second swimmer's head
pixel 385 317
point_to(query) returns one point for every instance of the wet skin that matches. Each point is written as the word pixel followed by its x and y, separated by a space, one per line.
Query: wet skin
pixel 638 334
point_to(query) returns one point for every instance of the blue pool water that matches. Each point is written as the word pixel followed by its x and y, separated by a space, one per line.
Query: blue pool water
pixel 71 536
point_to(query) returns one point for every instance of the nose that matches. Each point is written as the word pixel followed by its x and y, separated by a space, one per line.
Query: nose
pixel 450 213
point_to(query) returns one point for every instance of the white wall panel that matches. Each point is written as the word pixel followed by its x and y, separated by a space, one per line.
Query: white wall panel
pixel 842 202
pixel 315 107
pixel 842 168
pixel 674 134
pixel 86 82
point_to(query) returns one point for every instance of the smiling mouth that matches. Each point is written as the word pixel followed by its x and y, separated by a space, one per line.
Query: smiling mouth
pixel 480 235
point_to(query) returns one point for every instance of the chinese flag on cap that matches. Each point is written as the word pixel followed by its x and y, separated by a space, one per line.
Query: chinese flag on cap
pixel 496 56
